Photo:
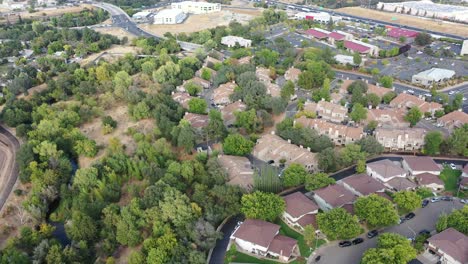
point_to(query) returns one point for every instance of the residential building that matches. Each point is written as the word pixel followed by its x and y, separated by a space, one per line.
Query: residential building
pixel 401 184
pixel 362 184
pixel 401 139
pixel 200 71
pixel 432 76
pixel 273 148
pixel 407 101
pixel 378 90
pixel 263 74
pixel 339 134
pixel 239 170
pixel 318 33
pixel 210 62
pixel 142 16
pixel 387 118
pixel 169 16
pixel 453 120
pixel 273 89
pixel 263 238
pixel 292 74
pixel 451 245
pixel 398 33
pixel 361 47
pixel 430 181
pixel 422 164
pixel 202 82
pixel 182 98
pixel 464 183
pixel 300 210
pixel 196 120
pixel 221 94
pixel 465 171
pixel 327 110
pixel 385 170
pixel 333 196
pixel 244 60
pixel 228 112
pixel 231 41
pixel 196 8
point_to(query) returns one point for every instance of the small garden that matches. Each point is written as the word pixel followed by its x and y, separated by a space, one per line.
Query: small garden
pixel 451 178
pixel 304 248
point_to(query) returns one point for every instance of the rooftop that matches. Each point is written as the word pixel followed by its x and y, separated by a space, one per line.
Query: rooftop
pixel 336 195
pixel 386 168
pixel 239 170
pixel 297 204
pixel 428 178
pixel 452 243
pixel 456 117
pixel 337 36
pixel 364 184
pixel 401 184
pixel 421 163
pixel 400 32
pixel 282 245
pixel 197 120
pixel 331 129
pixel 318 33
pixel 355 46
pixel 257 231
pixel 436 74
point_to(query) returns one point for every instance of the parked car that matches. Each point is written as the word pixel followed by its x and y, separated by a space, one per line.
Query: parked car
pixel 464 201
pixel 435 199
pixel 447 198
pixel 410 91
pixel 452 166
pixel 401 220
pixel 424 232
pixel 409 216
pixel 357 241
pixel 451 92
pixel 424 203
pixel 345 243
pixel 372 234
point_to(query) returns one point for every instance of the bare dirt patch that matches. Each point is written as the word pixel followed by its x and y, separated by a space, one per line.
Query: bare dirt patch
pixel 419 22
pixel 199 22
pixel 115 31
pixel 119 113
pixel 111 54
pixel 49 12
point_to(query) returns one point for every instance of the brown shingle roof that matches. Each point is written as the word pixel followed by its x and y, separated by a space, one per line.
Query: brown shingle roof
pixel 453 243
pixel 336 195
pixel 292 74
pixel 364 184
pixel 197 120
pixel 401 184
pixel 428 178
pixel 309 219
pixel 182 98
pixel 239 170
pixel 331 129
pixel 386 168
pixel 257 231
pixel 408 101
pixel 378 90
pixel 456 117
pixel 283 245
pixel 422 164
pixel 228 111
pixel 222 93
pixel 298 204
pixel 349 208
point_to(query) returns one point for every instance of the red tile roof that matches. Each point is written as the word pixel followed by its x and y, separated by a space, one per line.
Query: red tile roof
pixel 336 36
pixel 317 34
pixel 355 46
pixel 399 32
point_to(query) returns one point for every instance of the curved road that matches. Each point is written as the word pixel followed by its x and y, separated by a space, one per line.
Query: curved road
pixel 9 146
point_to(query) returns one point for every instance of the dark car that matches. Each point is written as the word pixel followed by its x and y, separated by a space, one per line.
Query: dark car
pixel 409 216
pixel 424 232
pixel 402 220
pixel 357 241
pixel 345 243
pixel 372 234
pixel 424 203
pixel 446 198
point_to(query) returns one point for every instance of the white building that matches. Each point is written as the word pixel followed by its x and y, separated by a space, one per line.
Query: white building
pixel 321 17
pixel 344 59
pixel 385 170
pixel 46 3
pixel 464 49
pixel 142 16
pixel 426 8
pixel 231 41
pixel 433 75
pixel 196 7
pixel 169 16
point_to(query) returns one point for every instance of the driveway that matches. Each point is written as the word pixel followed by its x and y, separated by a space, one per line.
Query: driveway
pixel 425 218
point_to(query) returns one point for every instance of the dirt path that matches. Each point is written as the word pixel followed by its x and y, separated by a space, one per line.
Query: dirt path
pixel 9 145
pixel 419 22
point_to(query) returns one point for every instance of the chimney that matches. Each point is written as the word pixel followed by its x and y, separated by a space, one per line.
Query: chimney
pixel 347 78
pixel 289 141
pixel 377 107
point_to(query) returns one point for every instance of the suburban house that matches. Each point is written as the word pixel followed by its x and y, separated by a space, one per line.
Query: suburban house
pixel 451 245
pixel 387 118
pixel 231 41
pixel 263 238
pixel 333 196
pixel 228 112
pixel 401 139
pixel 361 47
pixel 362 184
pixel 221 94
pixel 465 171
pixel 244 60
pixel 263 74
pixel 464 183
pixel 182 98
pixel 196 120
pixel 430 181
pixel 453 120
pixel 401 184
pixel 202 82
pixel 328 111
pixel 408 101
pixel 273 89
pixel 211 62
pixel 300 210
pixel 432 76
pixel 378 90
pixel 292 74
pixel 272 148
pixel 339 134
pixel 239 170
pixel 418 165
pixel 385 170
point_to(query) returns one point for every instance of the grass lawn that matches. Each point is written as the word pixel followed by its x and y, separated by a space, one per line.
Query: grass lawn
pixel 243 258
pixel 450 178
pixel 303 247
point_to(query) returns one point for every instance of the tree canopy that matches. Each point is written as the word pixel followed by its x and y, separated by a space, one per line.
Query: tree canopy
pixel 264 206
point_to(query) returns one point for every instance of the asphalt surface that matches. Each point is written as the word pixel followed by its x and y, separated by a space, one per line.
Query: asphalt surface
pixel 425 218
pixel 9 145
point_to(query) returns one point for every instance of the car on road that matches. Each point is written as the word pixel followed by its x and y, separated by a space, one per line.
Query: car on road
pixel 451 92
pixel 424 232
pixel 464 98
pixel 409 216
pixel 401 220
pixel 372 234
pixel 357 241
pixel 345 243
pixel 435 199
pixel 447 198
pixel 410 91
pixel 424 203
pixel 428 95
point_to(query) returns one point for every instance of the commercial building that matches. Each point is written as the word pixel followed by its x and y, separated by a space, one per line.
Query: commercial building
pixel 398 33
pixel 432 76
pixel 337 36
pixel 142 16
pixel 169 16
pixel 196 8
pixel 427 8
pixel 361 47
pixel 231 41
pixel 318 33
pixel 321 17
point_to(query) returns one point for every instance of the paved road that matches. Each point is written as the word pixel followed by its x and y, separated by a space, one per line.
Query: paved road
pixel 9 168
pixel 425 219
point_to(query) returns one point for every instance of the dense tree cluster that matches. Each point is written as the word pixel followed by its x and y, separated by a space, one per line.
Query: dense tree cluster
pixel 391 248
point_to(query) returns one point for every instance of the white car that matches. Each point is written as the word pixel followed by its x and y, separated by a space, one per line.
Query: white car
pixel 452 166
pixel 439 125
pixel 464 201
pixel 428 95
pixel 435 199
pixel 464 98
pixel 428 118
pixel 410 91
pixel 451 92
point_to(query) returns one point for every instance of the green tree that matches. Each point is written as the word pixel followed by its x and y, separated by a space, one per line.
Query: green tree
pixel 407 201
pixel 338 224
pixel 370 145
pixel 432 142
pixel 391 248
pixel 328 160
pixel 318 180
pixel 376 211
pixel 458 219
pixel 294 175
pixel 266 179
pixel 413 116
pixel 351 153
pixel 167 73
pixel 260 205
pixel 288 90
pixel 237 145
pixel 388 97
pixel 206 74
pixel 361 166
pixel 423 39
pixel 82 227
pixel 122 82
pixel 192 88
pixel 197 106
pixel 266 57
pixel 442 223
pixel 184 135
pixel 215 128
pixel 247 120
pixel 457 142
pixel 386 81
pixel 358 113
pixel 373 99
pixel 177 208
pixel 357 59
pixel 309 235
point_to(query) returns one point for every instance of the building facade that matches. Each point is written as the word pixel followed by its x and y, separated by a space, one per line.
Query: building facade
pixel 196 8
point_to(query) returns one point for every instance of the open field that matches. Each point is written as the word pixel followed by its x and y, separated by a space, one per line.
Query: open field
pixel 199 22
pixel 114 31
pixel 114 52
pixel 49 12
pixel 422 23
